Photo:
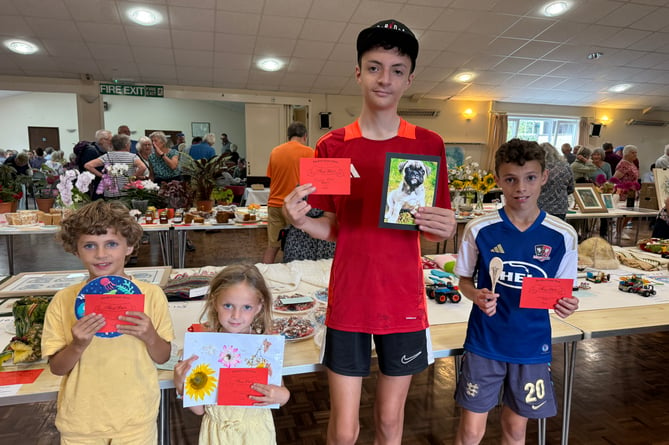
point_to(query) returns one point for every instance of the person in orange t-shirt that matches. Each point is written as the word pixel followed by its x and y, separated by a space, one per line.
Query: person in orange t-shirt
pixel 284 170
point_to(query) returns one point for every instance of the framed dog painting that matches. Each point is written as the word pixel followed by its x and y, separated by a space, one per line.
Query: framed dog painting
pixel 410 181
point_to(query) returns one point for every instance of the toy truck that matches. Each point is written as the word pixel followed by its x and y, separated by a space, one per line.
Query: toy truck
pixel 442 292
pixel 637 285
pixel 598 277
pixel 440 287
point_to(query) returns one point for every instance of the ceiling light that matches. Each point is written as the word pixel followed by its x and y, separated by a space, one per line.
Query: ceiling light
pixel 21 46
pixel 144 16
pixel 270 65
pixel 464 77
pixel 595 55
pixel 620 87
pixel 554 9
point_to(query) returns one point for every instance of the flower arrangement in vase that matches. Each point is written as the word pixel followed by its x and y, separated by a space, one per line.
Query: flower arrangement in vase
pixel 469 179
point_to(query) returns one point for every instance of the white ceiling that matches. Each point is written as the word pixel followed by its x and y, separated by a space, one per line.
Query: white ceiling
pixel 519 55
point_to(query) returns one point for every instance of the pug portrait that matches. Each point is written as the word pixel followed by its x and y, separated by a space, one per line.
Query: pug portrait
pixel 410 194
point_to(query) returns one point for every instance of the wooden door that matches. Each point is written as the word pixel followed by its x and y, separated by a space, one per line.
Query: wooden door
pixel 43 137
pixel 265 129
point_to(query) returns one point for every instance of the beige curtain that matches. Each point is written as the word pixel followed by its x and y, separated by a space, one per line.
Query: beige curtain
pixel 583 131
pixel 496 136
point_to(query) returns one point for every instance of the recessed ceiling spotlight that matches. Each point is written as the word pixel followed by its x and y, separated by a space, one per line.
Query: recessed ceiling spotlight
pixel 144 16
pixel 464 77
pixel 595 55
pixel 620 87
pixel 270 65
pixel 554 9
pixel 21 46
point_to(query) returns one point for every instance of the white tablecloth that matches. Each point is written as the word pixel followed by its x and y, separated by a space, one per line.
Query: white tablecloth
pixel 255 196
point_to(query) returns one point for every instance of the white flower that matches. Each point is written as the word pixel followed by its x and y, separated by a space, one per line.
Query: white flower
pixel 118 169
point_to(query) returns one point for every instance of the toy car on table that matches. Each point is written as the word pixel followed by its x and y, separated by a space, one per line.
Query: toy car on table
pixel 442 292
pixel 637 285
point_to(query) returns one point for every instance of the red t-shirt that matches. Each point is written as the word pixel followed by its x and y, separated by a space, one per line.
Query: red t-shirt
pixel 376 281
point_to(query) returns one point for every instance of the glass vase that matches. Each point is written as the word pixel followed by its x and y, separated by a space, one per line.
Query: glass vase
pixel 479 201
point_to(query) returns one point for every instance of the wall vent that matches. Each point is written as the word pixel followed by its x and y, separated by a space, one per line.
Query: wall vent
pixel 418 112
pixel 647 122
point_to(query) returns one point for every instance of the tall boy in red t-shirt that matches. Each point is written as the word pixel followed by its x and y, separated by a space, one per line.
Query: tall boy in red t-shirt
pixel 376 283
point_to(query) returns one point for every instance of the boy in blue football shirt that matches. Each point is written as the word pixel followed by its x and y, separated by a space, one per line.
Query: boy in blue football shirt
pixel 509 346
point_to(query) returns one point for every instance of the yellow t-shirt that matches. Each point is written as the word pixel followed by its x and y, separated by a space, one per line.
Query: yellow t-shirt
pixel 113 390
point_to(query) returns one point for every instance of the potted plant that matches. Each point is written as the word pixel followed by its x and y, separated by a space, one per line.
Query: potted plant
pixel 223 195
pixel 73 188
pixel 45 182
pixel 143 194
pixel 203 174
pixel 176 194
pixel 10 188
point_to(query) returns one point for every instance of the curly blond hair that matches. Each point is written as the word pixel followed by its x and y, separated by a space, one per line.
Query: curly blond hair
pixel 96 218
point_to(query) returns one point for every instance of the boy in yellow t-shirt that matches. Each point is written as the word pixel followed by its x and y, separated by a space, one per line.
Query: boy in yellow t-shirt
pixel 110 392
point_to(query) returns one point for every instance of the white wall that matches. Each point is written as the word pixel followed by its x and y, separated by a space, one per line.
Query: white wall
pixel 25 110
pixel 145 113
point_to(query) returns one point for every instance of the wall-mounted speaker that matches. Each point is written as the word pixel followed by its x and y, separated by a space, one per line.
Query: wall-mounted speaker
pixel 325 120
pixel 595 130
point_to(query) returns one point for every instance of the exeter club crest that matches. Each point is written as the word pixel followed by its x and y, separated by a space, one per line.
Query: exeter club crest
pixel 542 252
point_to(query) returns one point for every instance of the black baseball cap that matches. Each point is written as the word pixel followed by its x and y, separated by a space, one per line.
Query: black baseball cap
pixel 388 34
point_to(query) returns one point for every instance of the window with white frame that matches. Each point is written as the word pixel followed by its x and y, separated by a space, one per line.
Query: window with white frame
pixel 555 130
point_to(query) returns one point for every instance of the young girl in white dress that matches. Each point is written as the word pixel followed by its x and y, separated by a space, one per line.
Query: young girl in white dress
pixel 238 302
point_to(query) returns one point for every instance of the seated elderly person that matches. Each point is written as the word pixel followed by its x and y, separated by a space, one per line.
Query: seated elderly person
pixel 582 167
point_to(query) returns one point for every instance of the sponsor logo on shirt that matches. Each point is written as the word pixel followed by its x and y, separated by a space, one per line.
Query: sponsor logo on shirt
pixel 515 271
pixel 542 252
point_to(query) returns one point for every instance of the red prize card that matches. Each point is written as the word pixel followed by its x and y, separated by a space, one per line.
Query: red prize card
pixel 113 305
pixel 330 176
pixel 234 385
pixel 19 377
pixel 543 293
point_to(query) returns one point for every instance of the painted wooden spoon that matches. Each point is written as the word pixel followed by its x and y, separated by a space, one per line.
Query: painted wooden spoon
pixel 495 268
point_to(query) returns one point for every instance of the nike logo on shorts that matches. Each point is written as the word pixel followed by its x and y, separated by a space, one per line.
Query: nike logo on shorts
pixel 406 360
pixel 536 407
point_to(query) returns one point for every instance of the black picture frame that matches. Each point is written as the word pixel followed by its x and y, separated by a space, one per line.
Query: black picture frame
pixel 398 198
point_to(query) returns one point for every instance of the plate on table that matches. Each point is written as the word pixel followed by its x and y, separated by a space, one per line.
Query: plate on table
pixel 293 328
pixel 293 304
pixel 111 284
pixel 322 295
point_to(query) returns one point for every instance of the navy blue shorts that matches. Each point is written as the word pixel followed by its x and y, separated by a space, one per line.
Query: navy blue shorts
pixel 349 353
pixel 528 389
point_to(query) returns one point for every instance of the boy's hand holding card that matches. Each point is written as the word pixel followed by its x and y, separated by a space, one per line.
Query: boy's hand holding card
pixel 544 293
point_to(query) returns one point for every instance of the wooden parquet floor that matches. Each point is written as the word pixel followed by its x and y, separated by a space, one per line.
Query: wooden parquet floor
pixel 621 397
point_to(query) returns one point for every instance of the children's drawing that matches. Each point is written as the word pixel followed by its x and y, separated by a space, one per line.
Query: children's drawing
pixel 217 351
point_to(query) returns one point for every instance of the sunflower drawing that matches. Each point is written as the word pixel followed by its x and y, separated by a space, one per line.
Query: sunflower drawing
pixel 229 357
pixel 200 382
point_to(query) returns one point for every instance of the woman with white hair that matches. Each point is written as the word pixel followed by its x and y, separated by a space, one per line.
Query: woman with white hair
pixel 603 167
pixel 626 171
pixel 164 160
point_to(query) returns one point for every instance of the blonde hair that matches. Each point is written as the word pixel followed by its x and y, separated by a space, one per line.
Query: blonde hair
pixel 230 276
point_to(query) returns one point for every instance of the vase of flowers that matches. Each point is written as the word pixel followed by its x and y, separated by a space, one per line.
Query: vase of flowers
pixel 628 190
pixel 73 188
pixel 468 181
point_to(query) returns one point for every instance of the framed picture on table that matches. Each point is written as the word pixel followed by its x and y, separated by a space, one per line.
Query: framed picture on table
pixel 588 199
pixel 608 200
